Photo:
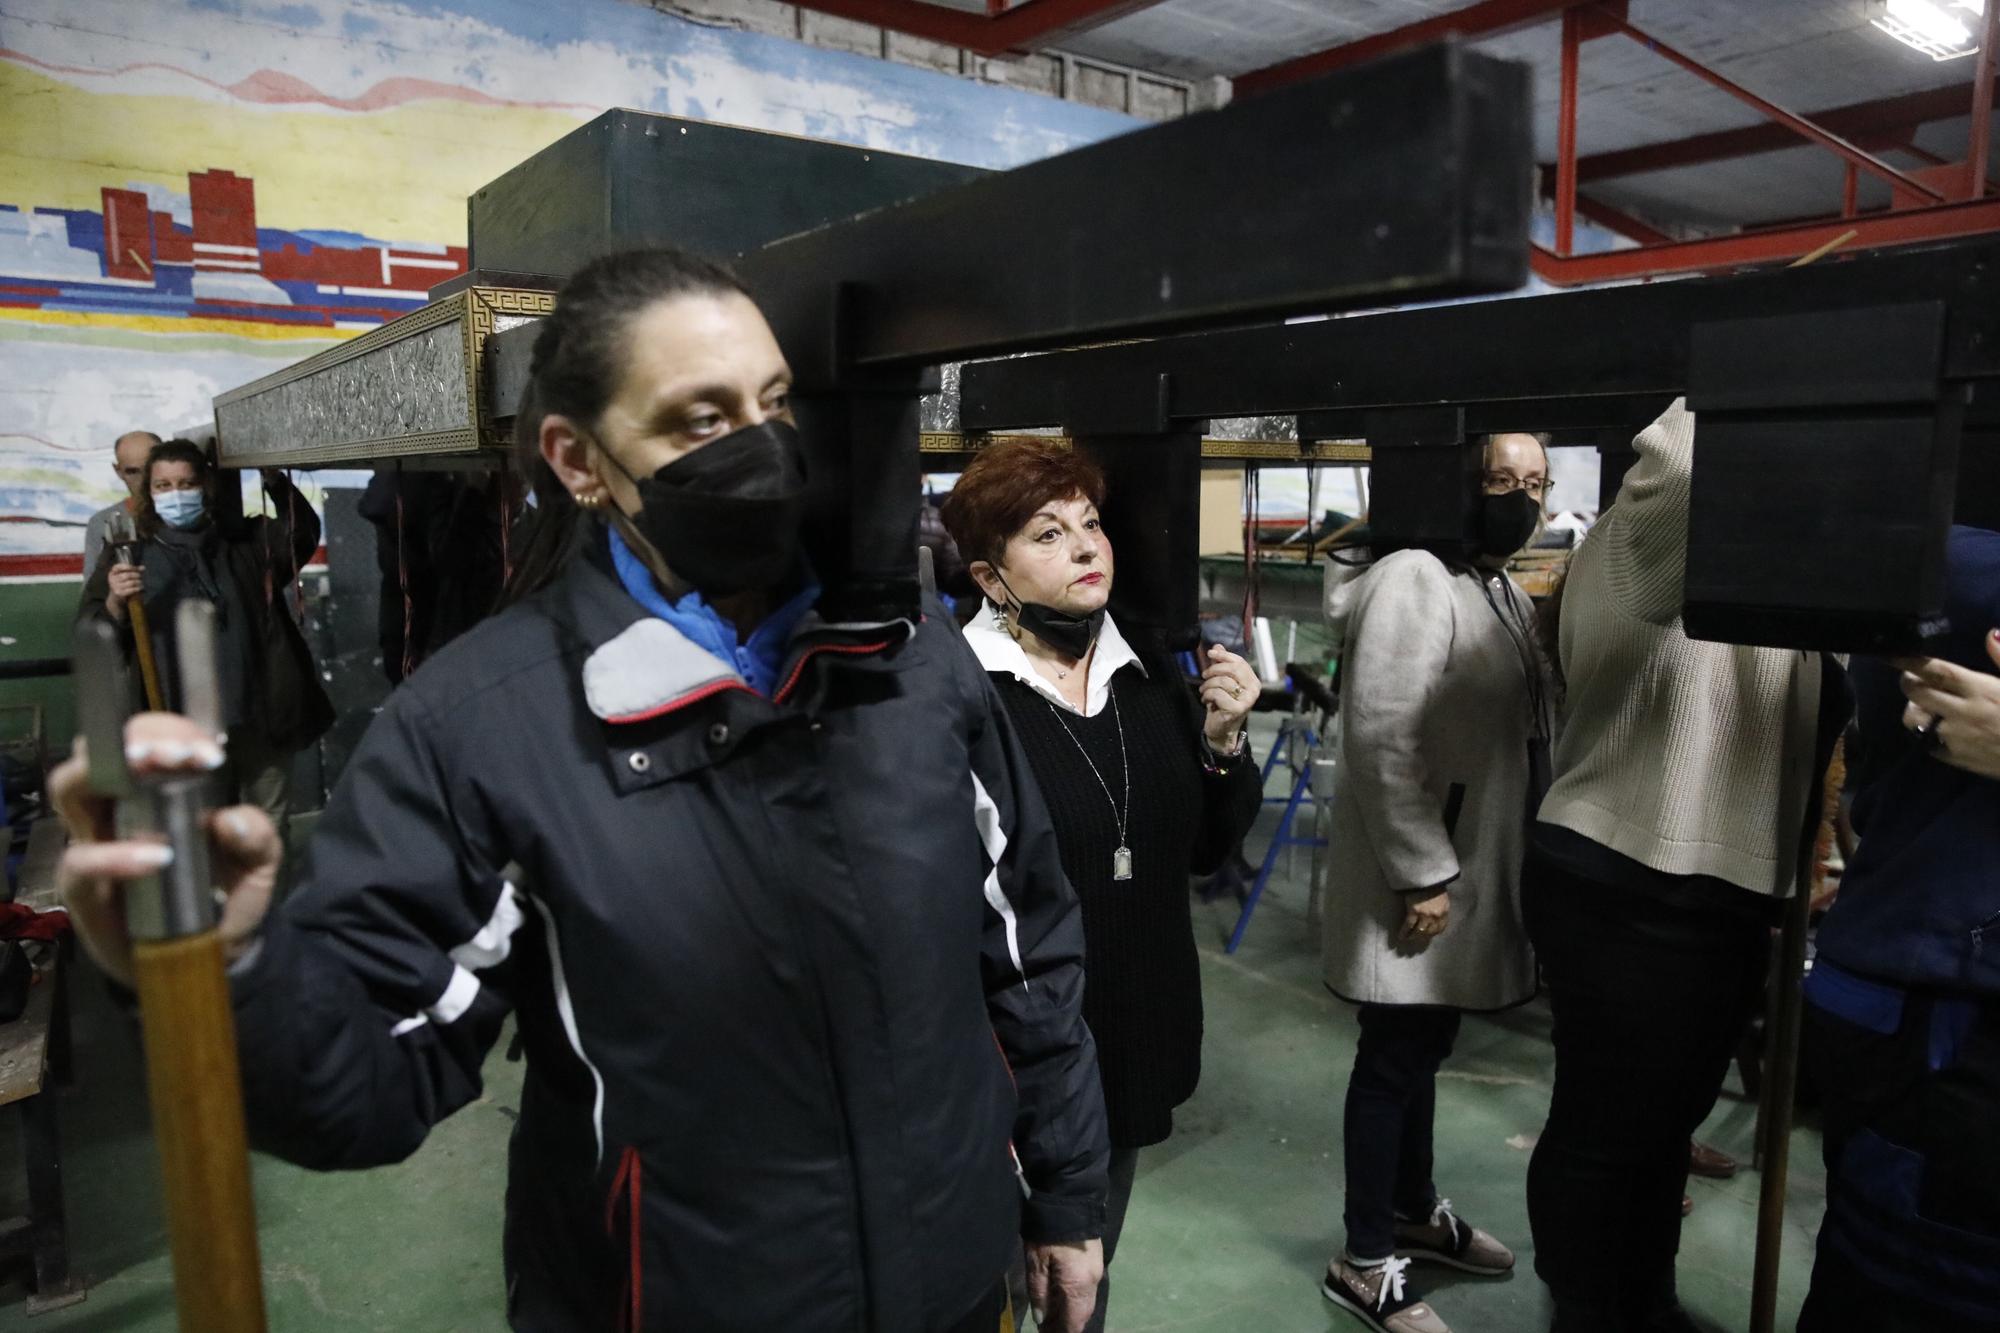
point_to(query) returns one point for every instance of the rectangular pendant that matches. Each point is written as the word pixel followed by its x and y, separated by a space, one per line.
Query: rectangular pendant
pixel 1121 863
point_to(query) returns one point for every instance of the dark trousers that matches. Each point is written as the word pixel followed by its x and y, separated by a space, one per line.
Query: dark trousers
pixel 985 1316
pixel 1386 1131
pixel 1911 1239
pixel 1124 1167
pixel 1649 1002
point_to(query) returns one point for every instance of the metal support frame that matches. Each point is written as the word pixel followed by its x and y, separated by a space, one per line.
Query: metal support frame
pixel 1880 123
pixel 1572 44
pixel 1028 25
pixel 1290 732
pixel 1982 104
pixel 1926 203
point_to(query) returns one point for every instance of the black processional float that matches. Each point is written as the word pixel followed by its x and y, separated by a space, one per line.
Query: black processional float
pixel 1847 414
pixel 1407 179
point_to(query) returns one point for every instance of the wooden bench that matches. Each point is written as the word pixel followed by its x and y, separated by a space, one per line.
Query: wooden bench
pixel 34 1063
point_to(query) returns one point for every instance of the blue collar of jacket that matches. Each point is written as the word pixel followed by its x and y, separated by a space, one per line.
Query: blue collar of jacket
pixel 757 659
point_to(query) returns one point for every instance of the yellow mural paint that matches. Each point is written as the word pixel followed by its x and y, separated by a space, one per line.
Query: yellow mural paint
pixel 401 173
pixel 235 328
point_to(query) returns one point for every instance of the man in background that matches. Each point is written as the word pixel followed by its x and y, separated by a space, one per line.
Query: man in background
pixel 128 460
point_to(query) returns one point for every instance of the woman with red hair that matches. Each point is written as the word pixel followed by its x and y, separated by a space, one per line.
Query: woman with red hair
pixel 1145 784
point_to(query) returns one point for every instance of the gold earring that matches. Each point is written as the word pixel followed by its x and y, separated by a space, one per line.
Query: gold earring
pixel 589 499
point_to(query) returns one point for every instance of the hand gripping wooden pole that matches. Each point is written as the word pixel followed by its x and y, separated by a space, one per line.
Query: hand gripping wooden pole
pixel 177 960
pixel 125 538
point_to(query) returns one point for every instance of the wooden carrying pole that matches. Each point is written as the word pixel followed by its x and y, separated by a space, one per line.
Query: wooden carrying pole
pixel 1781 1076
pixel 142 640
pixel 125 538
pixel 177 959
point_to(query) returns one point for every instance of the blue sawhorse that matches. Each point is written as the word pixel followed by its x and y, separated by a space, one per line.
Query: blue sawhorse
pixel 1290 731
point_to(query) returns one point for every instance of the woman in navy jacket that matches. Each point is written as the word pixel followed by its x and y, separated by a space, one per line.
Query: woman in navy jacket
pixel 773 898
pixel 1903 1016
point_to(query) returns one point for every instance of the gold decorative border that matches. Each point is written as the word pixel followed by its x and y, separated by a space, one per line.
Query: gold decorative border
pixel 486 305
pixel 360 452
pixel 1248 451
pixel 476 309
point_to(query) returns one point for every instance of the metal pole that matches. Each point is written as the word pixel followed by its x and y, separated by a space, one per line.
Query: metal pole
pixel 184 1009
pixel 1867 161
pixel 1982 103
pixel 1572 42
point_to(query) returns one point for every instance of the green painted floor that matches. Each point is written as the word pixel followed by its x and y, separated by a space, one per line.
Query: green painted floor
pixel 1231 1224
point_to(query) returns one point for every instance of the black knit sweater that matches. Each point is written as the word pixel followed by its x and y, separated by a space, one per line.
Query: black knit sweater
pixel 1142 994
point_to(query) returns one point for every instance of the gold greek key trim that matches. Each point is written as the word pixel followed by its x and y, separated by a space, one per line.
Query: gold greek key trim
pixel 1254 451
pixel 358 452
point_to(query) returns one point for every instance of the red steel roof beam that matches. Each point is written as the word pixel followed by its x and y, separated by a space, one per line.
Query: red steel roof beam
pixel 1487 19
pixel 1572 50
pixel 1879 123
pixel 1770 245
pixel 1982 104
pixel 1866 161
pixel 1027 26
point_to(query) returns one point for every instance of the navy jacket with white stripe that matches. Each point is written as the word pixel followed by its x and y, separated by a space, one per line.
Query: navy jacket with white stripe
pixel 798 978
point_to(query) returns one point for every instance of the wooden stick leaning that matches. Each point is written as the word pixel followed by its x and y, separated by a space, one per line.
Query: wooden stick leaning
pixel 177 960
pixel 124 537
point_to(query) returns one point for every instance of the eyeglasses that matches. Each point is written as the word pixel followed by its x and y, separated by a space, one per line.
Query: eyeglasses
pixel 1500 483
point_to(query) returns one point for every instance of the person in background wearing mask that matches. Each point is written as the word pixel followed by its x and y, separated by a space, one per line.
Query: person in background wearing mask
pixel 771 895
pixel 128 460
pixel 1444 729
pixel 272 700
pixel 1683 810
pixel 1902 1019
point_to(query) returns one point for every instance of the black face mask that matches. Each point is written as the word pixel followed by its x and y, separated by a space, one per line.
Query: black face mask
pixel 726 517
pixel 1506 522
pixel 1069 635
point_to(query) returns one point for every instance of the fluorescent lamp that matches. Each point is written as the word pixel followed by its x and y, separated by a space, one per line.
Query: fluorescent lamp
pixel 1926 26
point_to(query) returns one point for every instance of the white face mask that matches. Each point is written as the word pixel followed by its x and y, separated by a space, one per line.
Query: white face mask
pixel 180 509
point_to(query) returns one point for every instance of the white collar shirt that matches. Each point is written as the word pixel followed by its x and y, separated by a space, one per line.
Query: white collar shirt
pixel 998 652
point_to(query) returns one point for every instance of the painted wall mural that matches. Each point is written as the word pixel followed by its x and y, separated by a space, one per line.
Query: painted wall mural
pixel 194 193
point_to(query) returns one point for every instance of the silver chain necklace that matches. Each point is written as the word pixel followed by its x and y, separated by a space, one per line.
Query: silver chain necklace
pixel 1121 859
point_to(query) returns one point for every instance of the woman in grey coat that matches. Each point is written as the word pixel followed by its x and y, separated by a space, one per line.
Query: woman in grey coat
pixel 1443 717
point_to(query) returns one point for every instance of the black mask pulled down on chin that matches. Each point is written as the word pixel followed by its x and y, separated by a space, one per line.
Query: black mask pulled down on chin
pixel 1506 522
pixel 725 518
pixel 1067 634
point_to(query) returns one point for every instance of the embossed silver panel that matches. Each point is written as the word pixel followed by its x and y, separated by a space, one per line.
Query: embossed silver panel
pixel 414 385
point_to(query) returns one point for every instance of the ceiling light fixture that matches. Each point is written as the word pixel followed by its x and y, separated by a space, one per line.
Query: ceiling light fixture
pixel 1931 27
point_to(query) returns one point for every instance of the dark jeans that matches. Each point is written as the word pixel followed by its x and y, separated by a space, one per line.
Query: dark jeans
pixel 1911 1239
pixel 1391 1102
pixel 1124 1166
pixel 1649 1002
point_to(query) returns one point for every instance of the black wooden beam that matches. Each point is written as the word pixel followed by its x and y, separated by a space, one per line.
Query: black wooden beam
pixel 1405 179
pixel 1539 354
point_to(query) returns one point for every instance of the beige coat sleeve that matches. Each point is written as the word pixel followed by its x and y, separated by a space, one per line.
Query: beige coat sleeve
pixel 1646 555
pixel 1398 646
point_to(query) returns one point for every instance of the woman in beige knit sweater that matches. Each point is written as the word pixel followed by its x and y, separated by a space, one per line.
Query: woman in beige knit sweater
pixel 1684 774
